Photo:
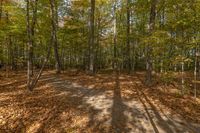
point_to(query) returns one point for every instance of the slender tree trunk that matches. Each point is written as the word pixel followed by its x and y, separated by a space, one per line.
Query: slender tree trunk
pixel 11 53
pixel 195 73
pixel 32 29
pixel 149 48
pixel 128 55
pixel 91 37
pixel 182 76
pixel 8 58
pixel 161 66
pixel 29 45
pixel 98 46
pixel 35 80
pixel 54 35
pixel 115 38
pixel 1 9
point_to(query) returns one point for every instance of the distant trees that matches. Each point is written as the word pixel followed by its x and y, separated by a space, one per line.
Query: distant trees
pixel 156 36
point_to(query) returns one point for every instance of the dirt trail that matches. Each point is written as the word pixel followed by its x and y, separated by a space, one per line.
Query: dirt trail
pixel 111 111
pixel 76 108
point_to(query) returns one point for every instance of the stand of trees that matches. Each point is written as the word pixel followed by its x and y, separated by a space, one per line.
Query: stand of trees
pixel 129 35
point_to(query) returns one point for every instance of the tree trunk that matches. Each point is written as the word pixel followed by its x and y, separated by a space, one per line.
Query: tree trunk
pixel 29 45
pixel 195 73
pixel 128 58
pixel 35 80
pixel 182 77
pixel 54 35
pixel 91 38
pixel 149 48
pixel 1 9
pixel 32 29
pixel 115 38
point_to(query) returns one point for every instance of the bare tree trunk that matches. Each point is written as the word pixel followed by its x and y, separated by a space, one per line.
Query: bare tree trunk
pixel 1 9
pixel 115 38
pixel 32 29
pixel 35 80
pixel 182 77
pixel 195 73
pixel 8 58
pixel 128 55
pixel 91 37
pixel 54 34
pixel 29 45
pixel 149 48
pixel 97 48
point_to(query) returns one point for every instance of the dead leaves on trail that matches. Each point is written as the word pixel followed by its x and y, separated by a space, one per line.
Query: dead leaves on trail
pixel 186 106
pixel 51 108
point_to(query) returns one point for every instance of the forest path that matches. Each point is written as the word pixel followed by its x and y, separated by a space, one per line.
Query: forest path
pixel 117 110
pixel 80 103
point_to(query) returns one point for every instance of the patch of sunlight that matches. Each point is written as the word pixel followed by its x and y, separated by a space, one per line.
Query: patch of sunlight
pixel 125 82
pixel 2 121
pixel 122 77
pixel 128 91
pixel 22 86
pixel 63 93
pixel 80 121
pixel 76 85
pixel 34 127
pixel 8 83
pixel 47 79
pixel 91 86
pixel 110 83
pixel 99 102
pixel 102 104
pixel 137 82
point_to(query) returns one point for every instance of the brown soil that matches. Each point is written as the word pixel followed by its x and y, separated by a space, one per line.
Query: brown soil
pixel 76 102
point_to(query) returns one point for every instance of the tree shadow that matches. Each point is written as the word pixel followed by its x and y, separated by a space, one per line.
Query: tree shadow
pixel 167 124
pixel 127 115
pixel 58 105
pixel 119 120
pixel 160 121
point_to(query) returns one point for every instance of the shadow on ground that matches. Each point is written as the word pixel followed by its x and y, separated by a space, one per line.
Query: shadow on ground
pixel 102 105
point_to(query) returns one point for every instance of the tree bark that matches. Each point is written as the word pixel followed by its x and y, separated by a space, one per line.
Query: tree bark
pixel 148 47
pixel 128 55
pixel 35 80
pixel 29 45
pixel 1 9
pixel 32 29
pixel 91 37
pixel 115 38
pixel 54 34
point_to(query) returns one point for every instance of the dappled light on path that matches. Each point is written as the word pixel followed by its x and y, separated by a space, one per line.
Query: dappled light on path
pixel 70 104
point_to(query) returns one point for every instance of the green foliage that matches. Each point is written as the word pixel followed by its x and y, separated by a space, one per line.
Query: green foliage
pixel 167 78
pixel 173 41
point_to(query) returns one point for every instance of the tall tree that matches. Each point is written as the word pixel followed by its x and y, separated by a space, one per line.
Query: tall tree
pixel 115 35
pixel 128 54
pixel 29 44
pixel 54 16
pixel 1 9
pixel 91 36
pixel 32 30
pixel 149 47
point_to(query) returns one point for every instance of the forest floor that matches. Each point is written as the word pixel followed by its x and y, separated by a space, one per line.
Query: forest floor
pixel 74 102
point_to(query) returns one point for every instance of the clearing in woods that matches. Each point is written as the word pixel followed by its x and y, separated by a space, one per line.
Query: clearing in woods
pixel 103 103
